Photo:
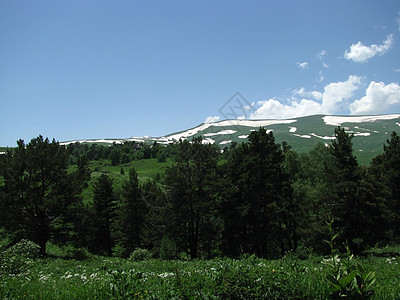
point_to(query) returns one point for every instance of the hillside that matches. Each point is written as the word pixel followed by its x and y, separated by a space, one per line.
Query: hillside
pixel 370 132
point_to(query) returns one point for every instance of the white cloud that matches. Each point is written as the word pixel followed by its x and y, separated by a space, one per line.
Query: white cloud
pixel 378 98
pixel 336 92
pixel 302 65
pixel 321 76
pixel 212 119
pixel 303 93
pixel 332 98
pixel 361 53
pixel 276 110
pixel 321 54
pixel 316 95
pixel 325 65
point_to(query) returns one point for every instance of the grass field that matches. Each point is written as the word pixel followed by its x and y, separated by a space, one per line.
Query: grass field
pixel 146 168
pixel 248 278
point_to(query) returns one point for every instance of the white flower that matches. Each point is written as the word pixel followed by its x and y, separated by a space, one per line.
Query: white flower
pixel 165 275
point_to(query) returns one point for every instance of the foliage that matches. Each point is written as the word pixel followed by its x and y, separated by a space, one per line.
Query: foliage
pixel 257 208
pixel 168 249
pixel 385 251
pixel 102 215
pixel 258 197
pixel 25 248
pixel 131 214
pixel 140 254
pixel 19 257
pixel 247 278
pixel 39 196
pixel 343 197
pixel 386 169
pixel 190 182
pixel 347 279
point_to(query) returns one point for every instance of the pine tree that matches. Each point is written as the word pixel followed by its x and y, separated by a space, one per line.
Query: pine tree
pixel 386 169
pixel 131 214
pixel 258 213
pixel 158 215
pixel 344 174
pixel 310 185
pixel 103 215
pixel 39 195
pixel 190 183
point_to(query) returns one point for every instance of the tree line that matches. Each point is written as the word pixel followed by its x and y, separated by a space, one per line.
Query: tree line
pixel 258 197
pixel 119 153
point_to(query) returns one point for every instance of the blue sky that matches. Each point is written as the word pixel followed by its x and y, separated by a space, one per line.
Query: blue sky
pixel 116 69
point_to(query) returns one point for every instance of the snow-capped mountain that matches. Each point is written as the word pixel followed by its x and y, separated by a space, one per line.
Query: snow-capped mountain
pixel 303 134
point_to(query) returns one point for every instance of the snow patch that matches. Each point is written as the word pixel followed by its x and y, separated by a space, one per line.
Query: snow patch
pixel 225 142
pixel 305 136
pixel 207 141
pixel 323 137
pixel 220 132
pixel 241 122
pixel 362 134
pixel 245 136
pixel 94 141
pixel 338 120
pixel 293 129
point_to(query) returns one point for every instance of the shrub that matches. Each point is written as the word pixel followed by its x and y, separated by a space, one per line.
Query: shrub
pixel 5 240
pixel 347 279
pixel 18 257
pixel 168 249
pixel 77 253
pixel 140 254
pixel 386 251
pixel 24 248
pixel 120 251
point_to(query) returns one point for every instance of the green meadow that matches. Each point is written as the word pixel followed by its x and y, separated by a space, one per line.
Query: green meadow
pixel 62 276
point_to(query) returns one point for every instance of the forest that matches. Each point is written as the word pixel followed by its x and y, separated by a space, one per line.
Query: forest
pixel 257 199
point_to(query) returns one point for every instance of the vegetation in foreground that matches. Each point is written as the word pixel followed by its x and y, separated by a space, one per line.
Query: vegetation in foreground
pixel 74 274
pixel 257 201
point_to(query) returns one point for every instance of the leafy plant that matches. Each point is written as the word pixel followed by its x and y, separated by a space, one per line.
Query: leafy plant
pixel 25 248
pixel 347 279
pixel 18 257
pixel 168 249
pixel 140 254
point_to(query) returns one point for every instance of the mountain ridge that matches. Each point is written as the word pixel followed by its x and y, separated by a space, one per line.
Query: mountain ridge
pixel 302 133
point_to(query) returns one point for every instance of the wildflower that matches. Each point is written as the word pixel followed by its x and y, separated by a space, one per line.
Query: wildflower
pixel 43 278
pixel 166 274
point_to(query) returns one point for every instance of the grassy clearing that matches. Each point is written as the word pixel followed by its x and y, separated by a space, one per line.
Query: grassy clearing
pixel 146 168
pixel 248 278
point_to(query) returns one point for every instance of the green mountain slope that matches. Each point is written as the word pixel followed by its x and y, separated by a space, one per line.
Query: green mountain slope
pixel 303 134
